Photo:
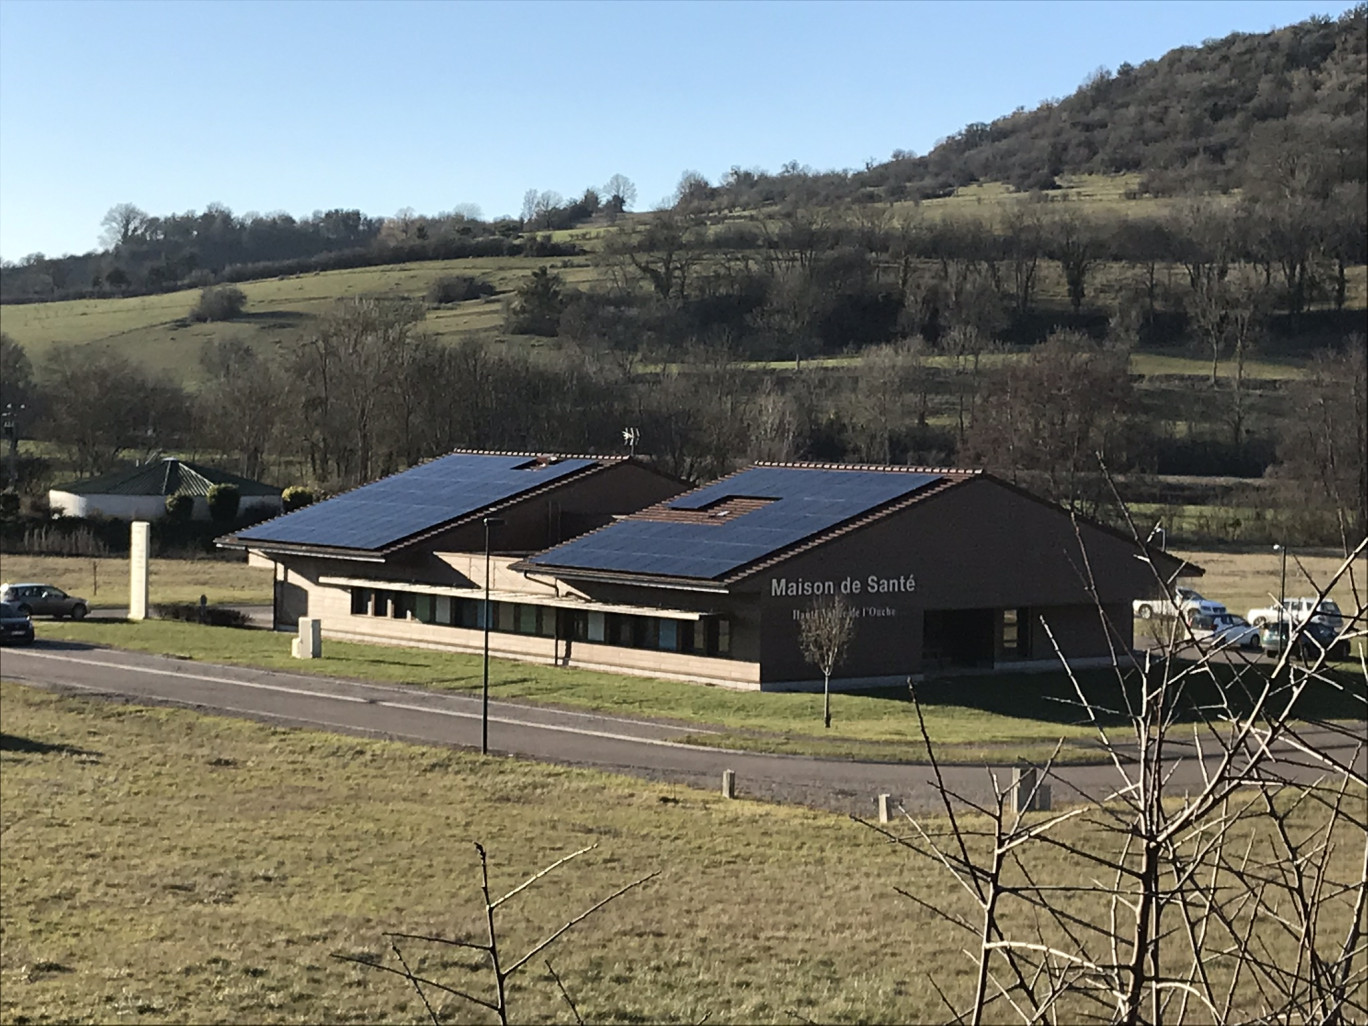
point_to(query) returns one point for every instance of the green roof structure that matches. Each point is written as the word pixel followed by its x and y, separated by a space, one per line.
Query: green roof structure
pixel 168 476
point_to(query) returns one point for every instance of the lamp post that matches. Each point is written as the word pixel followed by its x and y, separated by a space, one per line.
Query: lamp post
pixel 489 522
pixel 1282 583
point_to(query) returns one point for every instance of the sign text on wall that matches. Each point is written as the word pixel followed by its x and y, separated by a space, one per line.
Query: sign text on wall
pixel 802 587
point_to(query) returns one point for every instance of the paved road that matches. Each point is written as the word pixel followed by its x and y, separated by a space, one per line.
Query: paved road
pixel 644 748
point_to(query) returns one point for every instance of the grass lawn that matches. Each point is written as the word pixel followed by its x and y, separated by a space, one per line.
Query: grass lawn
pixel 162 865
pixel 104 581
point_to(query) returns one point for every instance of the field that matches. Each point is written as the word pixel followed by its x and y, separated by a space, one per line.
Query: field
pixel 1245 580
pixel 104 581
pixel 160 865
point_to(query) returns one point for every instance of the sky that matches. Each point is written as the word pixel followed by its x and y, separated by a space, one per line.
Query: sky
pixel 302 106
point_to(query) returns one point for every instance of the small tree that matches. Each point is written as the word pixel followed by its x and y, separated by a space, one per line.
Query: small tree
pixel 218 303
pixel 223 503
pixel 536 307
pixel 297 497
pixel 457 288
pixel 824 637
pixel 179 507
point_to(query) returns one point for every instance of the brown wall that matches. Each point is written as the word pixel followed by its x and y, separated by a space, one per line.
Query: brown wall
pixel 980 545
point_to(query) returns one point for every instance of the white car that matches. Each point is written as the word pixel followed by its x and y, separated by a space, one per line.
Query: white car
pixel 1298 611
pixel 1224 630
pixel 1189 602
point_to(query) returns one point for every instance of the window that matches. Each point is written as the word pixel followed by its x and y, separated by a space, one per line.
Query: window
pixel 360 601
pixel 597 627
pixel 722 646
pixel 525 618
pixel 424 609
pixel 441 610
pixel 469 613
pixel 502 617
pixel 1016 634
pixel 669 636
pixel 381 605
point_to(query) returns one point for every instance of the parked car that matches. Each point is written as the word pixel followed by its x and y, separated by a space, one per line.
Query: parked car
pixel 1188 601
pixel 1299 610
pixel 43 600
pixel 1313 639
pixel 15 627
pixel 1225 630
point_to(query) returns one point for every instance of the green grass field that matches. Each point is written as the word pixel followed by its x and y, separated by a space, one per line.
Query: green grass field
pixel 104 581
pixel 161 865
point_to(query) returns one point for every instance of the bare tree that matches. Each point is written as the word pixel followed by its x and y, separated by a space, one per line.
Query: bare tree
pixel 499 967
pixel 1243 899
pixel 824 635
pixel 122 223
pixel 621 193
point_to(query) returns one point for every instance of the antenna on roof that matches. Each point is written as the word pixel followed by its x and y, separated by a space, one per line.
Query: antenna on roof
pixel 631 436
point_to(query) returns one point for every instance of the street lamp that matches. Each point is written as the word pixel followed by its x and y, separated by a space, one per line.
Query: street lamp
pixel 489 522
pixel 1282 583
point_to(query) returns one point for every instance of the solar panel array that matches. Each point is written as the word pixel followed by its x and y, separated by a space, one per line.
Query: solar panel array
pixel 383 512
pixel 806 501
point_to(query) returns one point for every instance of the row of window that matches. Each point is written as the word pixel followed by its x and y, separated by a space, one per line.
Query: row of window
pixel 710 636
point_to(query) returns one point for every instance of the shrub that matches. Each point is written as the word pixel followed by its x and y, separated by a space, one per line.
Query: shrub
pixel 214 616
pixel 218 303
pixel 223 503
pixel 456 288
pixel 297 497
pixel 179 507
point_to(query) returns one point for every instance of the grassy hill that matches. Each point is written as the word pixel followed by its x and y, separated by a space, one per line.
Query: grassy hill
pixel 155 331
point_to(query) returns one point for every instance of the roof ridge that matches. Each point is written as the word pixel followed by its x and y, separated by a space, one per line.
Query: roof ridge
pixel 892 468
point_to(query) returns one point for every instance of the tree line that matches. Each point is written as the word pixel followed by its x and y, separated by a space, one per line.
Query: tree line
pixel 144 253
pixel 369 392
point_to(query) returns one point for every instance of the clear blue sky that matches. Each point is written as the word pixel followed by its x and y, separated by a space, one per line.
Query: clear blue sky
pixel 301 106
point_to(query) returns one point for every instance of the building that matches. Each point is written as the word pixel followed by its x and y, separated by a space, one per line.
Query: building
pixel 140 493
pixel 402 559
pixel 602 563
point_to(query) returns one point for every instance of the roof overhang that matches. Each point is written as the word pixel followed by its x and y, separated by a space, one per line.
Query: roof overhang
pixel 614 577
pixel 526 598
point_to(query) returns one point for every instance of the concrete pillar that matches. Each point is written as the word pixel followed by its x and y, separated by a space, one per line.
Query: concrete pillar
pixel 309 643
pixel 1023 783
pixel 883 809
pixel 728 783
pixel 139 543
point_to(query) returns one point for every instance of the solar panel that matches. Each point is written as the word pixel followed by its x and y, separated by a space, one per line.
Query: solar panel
pixel 806 501
pixel 383 512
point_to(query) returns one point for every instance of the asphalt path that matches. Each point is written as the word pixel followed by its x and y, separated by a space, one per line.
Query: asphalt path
pixel 644 748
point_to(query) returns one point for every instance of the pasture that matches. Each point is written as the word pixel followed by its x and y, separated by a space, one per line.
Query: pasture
pixel 162 865
pixel 104 580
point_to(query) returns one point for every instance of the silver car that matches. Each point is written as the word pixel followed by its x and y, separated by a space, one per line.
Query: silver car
pixel 43 600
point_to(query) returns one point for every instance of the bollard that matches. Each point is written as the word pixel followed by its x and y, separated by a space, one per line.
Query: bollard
pixel 309 643
pixel 883 808
pixel 203 608
pixel 728 783
pixel 139 540
pixel 1023 783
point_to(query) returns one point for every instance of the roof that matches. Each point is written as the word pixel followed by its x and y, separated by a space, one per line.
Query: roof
pixel 732 527
pixel 432 496
pixel 168 476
